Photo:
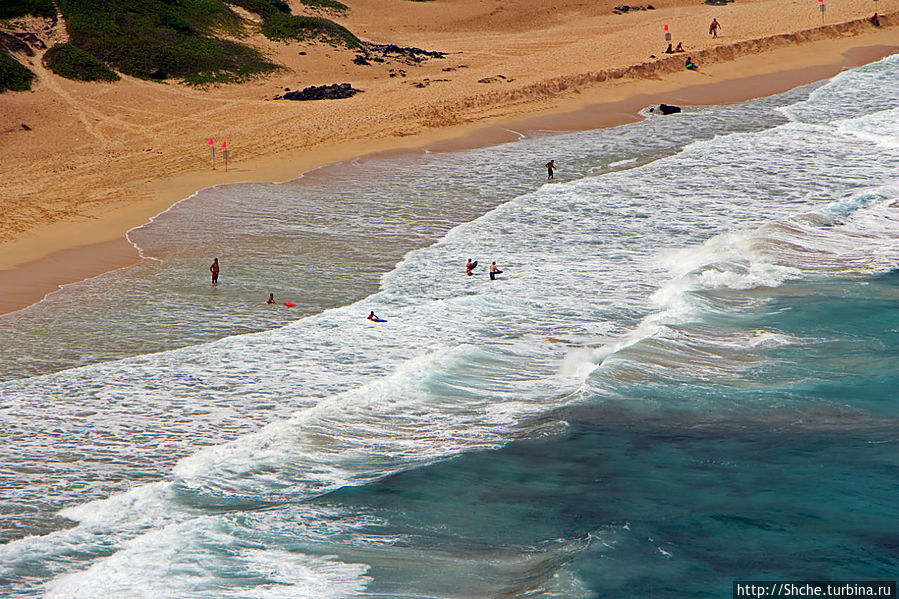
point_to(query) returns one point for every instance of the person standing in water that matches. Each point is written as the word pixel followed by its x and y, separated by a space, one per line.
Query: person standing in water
pixel 469 266
pixel 214 269
pixel 549 169
pixel 494 271
pixel 271 298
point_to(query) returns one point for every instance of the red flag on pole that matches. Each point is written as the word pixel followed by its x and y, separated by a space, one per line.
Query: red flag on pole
pixel 224 144
pixel 210 142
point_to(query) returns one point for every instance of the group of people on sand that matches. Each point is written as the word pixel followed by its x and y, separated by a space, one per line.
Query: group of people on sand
pixel 714 26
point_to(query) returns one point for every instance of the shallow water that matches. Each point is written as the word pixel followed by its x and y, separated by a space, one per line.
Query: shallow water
pixel 683 377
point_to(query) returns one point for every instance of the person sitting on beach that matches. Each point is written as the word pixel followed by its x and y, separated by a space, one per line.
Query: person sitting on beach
pixel 680 47
pixel 875 20
pixel 271 298
pixel 668 50
pixel 494 271
pixel 691 65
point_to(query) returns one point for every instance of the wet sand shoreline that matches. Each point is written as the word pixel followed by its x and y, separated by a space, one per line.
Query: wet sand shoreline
pixel 84 253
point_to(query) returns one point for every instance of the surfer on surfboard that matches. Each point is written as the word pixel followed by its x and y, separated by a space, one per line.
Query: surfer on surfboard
pixel 371 316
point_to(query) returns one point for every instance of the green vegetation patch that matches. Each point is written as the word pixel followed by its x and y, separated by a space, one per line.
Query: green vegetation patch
pixel 159 39
pixel 165 38
pixel 14 76
pixel 326 5
pixel 263 8
pixel 74 63
pixel 10 9
pixel 293 27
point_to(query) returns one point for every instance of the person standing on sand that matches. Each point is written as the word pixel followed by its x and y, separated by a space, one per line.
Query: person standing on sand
pixel 549 169
pixel 713 27
pixel 214 269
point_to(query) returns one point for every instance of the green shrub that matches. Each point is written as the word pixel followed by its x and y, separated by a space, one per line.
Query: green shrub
pixel 14 76
pixel 327 5
pixel 74 63
pixel 285 27
pixel 263 8
pixel 175 37
pixel 19 8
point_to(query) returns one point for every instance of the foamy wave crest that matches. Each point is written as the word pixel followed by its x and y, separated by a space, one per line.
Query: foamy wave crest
pixel 203 558
pixel 848 95
pixel 853 237
pixel 881 128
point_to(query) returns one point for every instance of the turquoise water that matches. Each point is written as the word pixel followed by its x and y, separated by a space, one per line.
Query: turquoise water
pixel 684 376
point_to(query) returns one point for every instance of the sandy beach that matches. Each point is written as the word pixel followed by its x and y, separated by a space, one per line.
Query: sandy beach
pixel 101 159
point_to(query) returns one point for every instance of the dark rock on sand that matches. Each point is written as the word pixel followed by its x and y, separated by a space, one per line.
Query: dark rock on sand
pixel 335 91
pixel 404 54
pixel 158 74
pixel 624 8
pixel 668 109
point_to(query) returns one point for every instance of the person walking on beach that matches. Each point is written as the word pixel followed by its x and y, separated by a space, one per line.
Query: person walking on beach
pixel 713 27
pixel 214 269
pixel 549 169
pixel 494 271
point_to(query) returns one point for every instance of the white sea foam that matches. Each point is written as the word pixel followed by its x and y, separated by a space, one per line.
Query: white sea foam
pixel 620 265
pixel 202 558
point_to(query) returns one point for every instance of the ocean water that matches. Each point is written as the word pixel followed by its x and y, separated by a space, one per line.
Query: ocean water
pixel 684 376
